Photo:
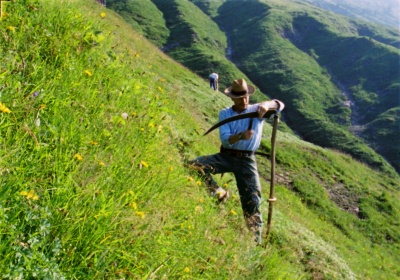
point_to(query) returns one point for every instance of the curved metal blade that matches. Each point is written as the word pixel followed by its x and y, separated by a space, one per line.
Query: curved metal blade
pixel 267 115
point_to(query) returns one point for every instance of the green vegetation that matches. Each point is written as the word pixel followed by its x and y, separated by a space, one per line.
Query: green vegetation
pixel 297 54
pixel 95 126
pixel 144 17
pixel 336 74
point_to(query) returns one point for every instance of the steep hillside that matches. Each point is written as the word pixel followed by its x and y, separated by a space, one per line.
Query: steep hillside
pixel 371 84
pixel 345 70
pixel 192 37
pixel 304 58
pixel 96 124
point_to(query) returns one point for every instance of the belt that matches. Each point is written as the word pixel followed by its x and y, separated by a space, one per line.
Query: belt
pixel 236 153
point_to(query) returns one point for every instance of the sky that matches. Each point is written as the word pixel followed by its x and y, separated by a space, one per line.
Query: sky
pixel 380 11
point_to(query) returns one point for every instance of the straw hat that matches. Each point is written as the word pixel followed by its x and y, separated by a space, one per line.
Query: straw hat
pixel 239 88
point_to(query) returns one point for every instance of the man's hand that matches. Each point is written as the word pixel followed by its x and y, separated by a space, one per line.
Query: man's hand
pixel 262 109
pixel 247 134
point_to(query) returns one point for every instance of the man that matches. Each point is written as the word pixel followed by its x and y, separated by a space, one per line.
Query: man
pixel 214 80
pixel 240 139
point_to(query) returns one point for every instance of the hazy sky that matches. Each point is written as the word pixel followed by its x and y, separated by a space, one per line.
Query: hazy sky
pixel 387 11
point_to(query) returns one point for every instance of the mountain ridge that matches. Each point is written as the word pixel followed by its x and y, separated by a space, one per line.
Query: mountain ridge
pixel 287 19
pixel 380 12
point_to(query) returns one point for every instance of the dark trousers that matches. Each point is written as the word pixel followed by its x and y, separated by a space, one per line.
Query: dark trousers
pixel 213 83
pixel 247 180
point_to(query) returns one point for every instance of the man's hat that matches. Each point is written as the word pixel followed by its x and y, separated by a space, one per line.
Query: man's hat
pixel 239 88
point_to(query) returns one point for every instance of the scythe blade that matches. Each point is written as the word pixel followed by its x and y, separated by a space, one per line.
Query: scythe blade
pixel 267 115
pixel 275 107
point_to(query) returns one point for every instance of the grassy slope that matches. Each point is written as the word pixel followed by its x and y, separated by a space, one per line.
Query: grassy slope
pixel 89 194
pixel 145 17
pixel 197 41
pixel 370 90
pixel 283 70
pixel 285 62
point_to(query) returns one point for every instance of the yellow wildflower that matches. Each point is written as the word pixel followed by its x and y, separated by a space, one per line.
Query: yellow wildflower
pixel 137 54
pixel 190 179
pixel 198 183
pixel 233 212
pixel 151 125
pixel 30 195
pixel 103 15
pixel 4 109
pixel 91 142
pixel 88 73
pixel 101 163
pixel 160 89
pixel 78 157
pixel 186 270
pixel 11 28
pixel 131 193
pixel 143 163
pixel 133 205
pixel 140 214
pixel 134 114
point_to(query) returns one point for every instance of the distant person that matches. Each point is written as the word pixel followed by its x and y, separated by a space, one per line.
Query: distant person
pixel 214 80
pixel 240 139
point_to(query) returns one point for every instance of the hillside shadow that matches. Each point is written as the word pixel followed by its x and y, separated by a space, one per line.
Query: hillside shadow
pixel 238 21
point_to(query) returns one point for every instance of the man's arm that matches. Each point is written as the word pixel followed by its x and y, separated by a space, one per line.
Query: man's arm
pixel 248 134
pixel 245 135
pixel 275 106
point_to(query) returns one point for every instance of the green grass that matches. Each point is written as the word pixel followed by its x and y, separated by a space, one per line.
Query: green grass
pixel 95 126
pixel 294 52
pixel 292 61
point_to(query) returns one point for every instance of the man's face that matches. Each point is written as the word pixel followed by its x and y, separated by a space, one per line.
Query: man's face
pixel 241 103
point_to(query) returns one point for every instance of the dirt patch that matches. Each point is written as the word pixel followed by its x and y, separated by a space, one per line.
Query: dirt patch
pixel 343 198
pixel 337 192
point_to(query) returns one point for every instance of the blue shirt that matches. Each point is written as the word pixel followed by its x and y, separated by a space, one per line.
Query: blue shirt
pixel 238 126
pixel 213 76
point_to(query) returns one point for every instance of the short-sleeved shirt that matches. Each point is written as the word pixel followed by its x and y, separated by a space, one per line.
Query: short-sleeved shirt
pixel 239 126
pixel 214 76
